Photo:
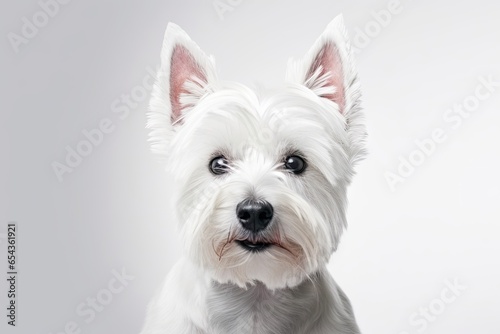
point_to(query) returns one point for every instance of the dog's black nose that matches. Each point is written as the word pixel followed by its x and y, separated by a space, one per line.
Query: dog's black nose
pixel 254 215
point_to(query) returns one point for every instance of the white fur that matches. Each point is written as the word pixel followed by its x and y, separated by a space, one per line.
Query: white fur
pixel 218 287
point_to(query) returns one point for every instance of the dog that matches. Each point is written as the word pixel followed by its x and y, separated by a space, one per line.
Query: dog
pixel 261 183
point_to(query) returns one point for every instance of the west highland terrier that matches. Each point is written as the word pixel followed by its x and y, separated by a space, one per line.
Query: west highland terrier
pixel 262 184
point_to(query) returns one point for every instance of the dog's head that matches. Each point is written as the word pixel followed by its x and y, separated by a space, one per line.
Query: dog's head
pixel 263 176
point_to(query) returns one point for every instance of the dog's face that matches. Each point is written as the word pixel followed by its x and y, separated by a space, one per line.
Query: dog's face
pixel 262 177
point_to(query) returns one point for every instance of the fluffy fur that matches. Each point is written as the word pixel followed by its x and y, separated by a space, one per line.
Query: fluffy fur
pixel 218 287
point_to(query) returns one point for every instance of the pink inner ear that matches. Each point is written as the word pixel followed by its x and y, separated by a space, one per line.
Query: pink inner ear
pixel 329 60
pixel 183 67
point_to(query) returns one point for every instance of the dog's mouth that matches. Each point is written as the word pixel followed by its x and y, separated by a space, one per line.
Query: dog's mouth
pixel 253 246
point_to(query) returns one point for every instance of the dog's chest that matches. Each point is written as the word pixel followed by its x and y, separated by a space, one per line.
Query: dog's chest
pixel 258 310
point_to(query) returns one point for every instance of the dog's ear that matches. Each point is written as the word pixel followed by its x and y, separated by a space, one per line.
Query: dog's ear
pixel 327 68
pixel 185 76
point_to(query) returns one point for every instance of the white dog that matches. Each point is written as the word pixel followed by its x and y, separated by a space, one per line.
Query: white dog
pixel 262 191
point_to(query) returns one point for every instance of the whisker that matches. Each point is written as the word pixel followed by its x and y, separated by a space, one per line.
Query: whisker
pixel 285 248
pixel 215 249
pixel 278 242
pixel 228 241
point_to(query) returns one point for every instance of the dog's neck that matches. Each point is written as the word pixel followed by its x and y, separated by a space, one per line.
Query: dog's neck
pixel 257 309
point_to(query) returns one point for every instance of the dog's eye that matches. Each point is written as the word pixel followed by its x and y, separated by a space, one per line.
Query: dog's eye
pixel 219 165
pixel 295 164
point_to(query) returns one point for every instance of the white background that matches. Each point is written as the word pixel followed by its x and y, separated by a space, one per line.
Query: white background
pixel 112 211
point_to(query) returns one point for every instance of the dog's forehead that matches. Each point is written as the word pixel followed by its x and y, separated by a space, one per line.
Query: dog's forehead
pixel 236 118
pixel 285 104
